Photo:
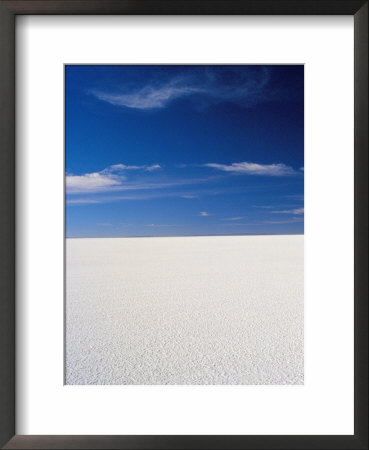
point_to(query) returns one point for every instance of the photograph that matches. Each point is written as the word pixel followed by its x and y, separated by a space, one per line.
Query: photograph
pixel 184 224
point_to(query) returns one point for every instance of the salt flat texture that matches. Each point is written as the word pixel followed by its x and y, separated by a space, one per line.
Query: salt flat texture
pixel 185 310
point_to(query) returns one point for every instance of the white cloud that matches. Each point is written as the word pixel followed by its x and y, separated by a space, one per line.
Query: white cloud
pixel 254 168
pixel 296 211
pixel 91 182
pixel 204 214
pixel 118 167
pixel 153 167
pixel 233 218
pixel 108 179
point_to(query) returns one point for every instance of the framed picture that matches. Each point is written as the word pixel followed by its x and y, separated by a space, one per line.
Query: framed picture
pixel 184 224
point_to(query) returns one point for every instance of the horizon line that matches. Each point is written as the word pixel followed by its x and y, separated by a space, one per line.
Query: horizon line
pixel 185 236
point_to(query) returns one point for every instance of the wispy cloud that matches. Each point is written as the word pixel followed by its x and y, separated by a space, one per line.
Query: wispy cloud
pixel 138 191
pixel 161 225
pixel 296 211
pixel 239 224
pixel 189 196
pixel 82 201
pixel 295 197
pixel 276 222
pixel 233 218
pixel 122 167
pixel 148 97
pixel 204 214
pixel 218 84
pixel 249 168
pixel 147 193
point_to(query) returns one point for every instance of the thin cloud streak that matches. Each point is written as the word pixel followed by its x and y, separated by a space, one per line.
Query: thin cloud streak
pixel 122 167
pixel 117 198
pixel 276 222
pixel 152 194
pixel 248 168
pixel 238 224
pixel 161 225
pixel 296 211
pixel 82 201
pixel 79 188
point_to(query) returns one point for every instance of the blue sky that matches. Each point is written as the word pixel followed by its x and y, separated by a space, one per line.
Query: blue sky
pixel 184 150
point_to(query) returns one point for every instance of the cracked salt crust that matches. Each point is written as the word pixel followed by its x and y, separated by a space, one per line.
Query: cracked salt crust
pixel 185 310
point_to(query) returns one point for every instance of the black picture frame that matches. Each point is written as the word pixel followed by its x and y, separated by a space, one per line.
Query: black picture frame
pixel 8 11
